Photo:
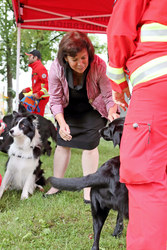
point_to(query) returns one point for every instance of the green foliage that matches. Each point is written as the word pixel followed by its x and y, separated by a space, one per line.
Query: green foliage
pixel 100 47
pixel 11 93
pixel 44 41
pixel 58 222
pixel 7 39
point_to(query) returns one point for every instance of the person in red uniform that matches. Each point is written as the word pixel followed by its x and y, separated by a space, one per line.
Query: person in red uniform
pixel 39 81
pixel 137 46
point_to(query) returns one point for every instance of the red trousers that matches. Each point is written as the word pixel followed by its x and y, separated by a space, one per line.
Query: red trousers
pixel 143 155
pixel 41 105
pixel 147 228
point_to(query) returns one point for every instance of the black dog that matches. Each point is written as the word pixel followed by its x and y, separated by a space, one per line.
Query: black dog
pixel 46 130
pixel 106 190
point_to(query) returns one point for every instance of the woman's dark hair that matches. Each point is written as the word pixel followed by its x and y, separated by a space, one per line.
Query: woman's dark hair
pixel 72 43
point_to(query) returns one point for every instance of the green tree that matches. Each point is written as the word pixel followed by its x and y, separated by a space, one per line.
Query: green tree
pixel 45 41
pixel 100 46
pixel 7 28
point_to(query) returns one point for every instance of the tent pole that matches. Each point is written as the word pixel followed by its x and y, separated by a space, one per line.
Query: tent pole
pixel 18 65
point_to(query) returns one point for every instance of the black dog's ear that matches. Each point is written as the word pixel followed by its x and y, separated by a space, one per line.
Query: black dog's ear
pixel 22 109
pixel 15 114
pixel 31 117
pixel 7 119
pixel 117 137
pixel 118 130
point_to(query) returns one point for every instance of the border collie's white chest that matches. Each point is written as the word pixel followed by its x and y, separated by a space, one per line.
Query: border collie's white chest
pixel 21 170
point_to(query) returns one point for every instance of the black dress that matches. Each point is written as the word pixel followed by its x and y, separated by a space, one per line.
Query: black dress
pixel 83 120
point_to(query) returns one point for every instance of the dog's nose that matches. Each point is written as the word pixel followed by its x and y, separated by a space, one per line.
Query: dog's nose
pixel 11 131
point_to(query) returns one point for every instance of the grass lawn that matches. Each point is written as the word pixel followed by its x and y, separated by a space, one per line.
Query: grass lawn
pixel 61 222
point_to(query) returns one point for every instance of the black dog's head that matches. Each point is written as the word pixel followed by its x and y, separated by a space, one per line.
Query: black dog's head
pixel 8 118
pixel 113 132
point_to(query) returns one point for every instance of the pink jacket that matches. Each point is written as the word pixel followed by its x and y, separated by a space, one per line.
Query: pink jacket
pixel 98 87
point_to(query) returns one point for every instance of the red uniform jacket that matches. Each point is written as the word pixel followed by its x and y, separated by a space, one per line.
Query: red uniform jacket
pixel 39 79
pixel 132 42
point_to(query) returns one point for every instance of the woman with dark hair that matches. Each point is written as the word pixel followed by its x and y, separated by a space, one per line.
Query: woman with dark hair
pixel 81 102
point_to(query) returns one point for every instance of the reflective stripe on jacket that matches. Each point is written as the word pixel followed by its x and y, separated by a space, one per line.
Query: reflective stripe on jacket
pixel 138 42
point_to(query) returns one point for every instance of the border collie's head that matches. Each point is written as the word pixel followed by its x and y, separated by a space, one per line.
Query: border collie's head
pixel 23 125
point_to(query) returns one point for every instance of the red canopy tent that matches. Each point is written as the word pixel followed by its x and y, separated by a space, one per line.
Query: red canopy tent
pixel 89 16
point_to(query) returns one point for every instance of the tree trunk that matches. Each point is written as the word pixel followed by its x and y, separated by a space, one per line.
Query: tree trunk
pixel 8 61
pixel 10 87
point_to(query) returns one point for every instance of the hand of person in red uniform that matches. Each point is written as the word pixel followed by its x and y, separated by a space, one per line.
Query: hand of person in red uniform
pixel 112 113
pixel 35 96
pixel 24 91
pixel 119 98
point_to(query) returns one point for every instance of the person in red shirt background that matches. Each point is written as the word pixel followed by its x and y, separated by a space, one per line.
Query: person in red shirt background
pixel 137 46
pixel 39 81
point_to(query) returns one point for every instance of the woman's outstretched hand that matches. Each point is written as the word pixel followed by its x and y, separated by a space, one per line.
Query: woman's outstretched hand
pixel 112 113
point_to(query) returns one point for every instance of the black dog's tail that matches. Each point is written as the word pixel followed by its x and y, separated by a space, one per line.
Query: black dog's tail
pixel 76 184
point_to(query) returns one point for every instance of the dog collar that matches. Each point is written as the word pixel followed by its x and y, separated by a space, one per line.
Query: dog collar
pixel 19 156
pixel 22 147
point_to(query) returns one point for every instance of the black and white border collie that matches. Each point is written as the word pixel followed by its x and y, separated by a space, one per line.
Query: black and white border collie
pixel 23 170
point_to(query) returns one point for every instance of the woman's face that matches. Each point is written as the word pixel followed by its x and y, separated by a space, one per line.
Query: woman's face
pixel 80 62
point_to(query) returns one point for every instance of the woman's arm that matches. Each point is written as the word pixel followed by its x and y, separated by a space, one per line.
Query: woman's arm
pixel 56 91
pixel 64 130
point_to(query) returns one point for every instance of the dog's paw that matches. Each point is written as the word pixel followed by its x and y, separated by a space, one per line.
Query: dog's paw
pixel 24 196
pixel 40 187
pixel 118 230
